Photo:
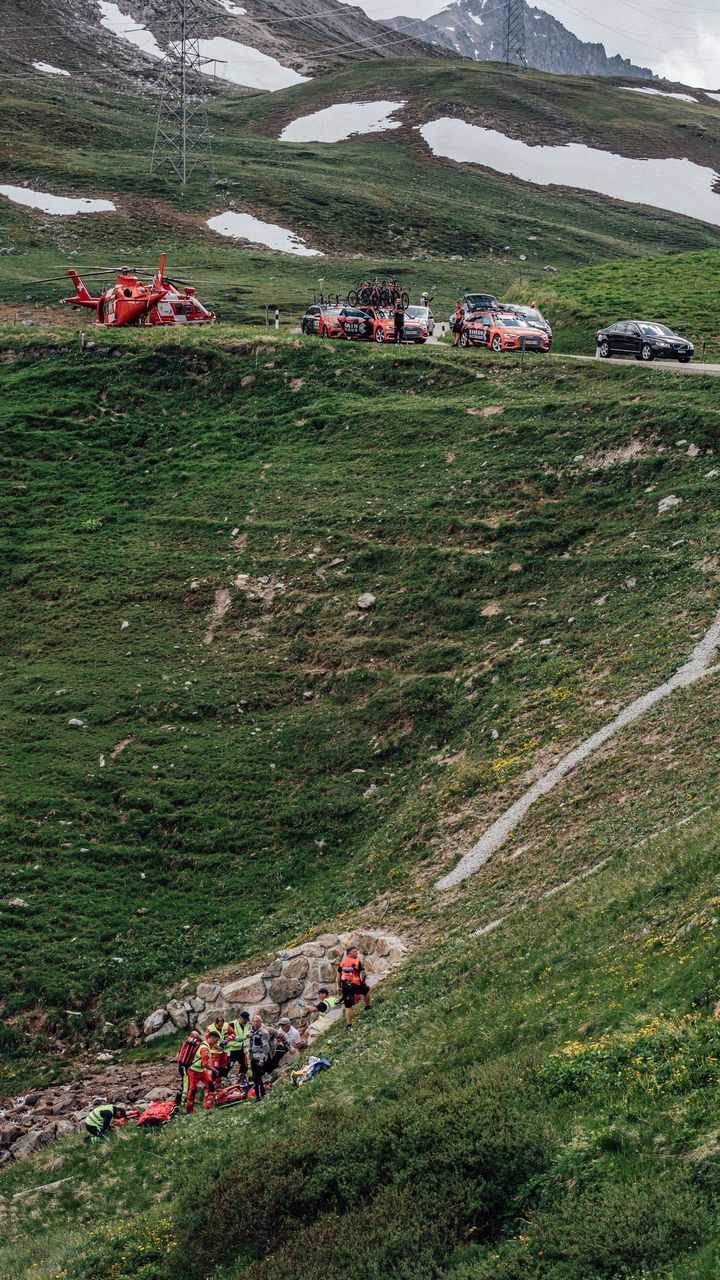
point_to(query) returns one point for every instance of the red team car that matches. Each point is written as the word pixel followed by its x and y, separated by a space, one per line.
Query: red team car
pixel 501 332
pixel 368 324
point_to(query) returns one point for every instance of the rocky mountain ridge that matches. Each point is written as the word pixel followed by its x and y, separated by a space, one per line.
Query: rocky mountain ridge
pixel 474 29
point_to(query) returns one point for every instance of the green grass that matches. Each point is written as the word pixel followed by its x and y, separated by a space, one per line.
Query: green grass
pixel 372 204
pixel 681 290
pixel 234 820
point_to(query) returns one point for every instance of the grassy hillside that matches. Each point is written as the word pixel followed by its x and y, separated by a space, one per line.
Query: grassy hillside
pixel 533 1104
pixel 370 203
pixel 213 801
pixel 546 1090
pixel 681 290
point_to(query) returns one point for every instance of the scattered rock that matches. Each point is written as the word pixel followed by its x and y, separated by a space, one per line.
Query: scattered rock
pixel 667 504
pixel 30 1142
pixel 515 567
pixel 76 723
pixel 179 1013
pixel 154 1021
pixel 167 1029
pixel 366 600
pixel 18 904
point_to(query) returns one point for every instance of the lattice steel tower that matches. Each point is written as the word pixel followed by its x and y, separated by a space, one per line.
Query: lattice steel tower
pixel 514 33
pixel 182 134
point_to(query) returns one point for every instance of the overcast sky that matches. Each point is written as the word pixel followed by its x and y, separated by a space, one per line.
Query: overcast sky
pixel 679 39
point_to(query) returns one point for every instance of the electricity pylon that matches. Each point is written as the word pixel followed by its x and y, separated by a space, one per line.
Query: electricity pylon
pixel 182 133
pixel 514 34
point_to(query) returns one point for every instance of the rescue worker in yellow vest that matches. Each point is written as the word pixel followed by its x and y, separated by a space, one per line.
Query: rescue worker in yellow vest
pixel 99 1122
pixel 351 983
pixel 222 1030
pixel 236 1042
pixel 202 1071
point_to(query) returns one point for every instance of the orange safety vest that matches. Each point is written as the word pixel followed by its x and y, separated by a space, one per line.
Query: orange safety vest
pixel 350 970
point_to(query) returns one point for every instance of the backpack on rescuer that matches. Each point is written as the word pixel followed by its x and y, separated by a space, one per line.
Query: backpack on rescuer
pixel 187 1053
pixel 157 1113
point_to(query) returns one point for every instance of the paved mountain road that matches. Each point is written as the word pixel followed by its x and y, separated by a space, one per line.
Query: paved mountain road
pixel 668 366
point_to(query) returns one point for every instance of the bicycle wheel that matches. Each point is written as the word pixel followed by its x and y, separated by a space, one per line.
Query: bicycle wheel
pixel 352 298
pixel 405 298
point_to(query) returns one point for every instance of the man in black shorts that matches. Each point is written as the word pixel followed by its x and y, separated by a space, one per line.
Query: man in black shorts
pixel 352 983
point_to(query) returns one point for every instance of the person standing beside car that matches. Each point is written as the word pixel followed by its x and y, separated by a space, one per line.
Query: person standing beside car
pixel 399 320
pixel 457 320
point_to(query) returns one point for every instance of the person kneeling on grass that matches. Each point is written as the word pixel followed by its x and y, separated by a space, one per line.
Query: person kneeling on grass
pixel 352 983
pixel 99 1122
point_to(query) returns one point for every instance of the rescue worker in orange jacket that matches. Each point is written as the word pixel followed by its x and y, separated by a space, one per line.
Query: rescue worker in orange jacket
pixel 351 983
pixel 201 1071
pixel 186 1057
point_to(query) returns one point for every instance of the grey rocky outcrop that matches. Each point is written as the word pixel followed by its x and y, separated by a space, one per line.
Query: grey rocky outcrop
pixel 295 973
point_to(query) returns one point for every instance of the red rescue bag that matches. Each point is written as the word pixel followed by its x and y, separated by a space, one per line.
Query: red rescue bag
pixel 158 1113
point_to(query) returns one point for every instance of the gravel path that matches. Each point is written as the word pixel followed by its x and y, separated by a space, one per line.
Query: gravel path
pixel 698 665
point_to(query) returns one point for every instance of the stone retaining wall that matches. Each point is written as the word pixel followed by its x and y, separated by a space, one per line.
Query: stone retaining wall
pixel 294 974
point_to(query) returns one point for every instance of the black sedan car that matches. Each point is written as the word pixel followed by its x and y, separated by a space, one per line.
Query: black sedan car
pixel 644 339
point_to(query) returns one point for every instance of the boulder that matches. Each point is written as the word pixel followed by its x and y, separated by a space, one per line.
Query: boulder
pixel 29 1143
pixel 196 1004
pixel 321 973
pixel 273 970
pixel 290 953
pixel 245 991
pixel 396 954
pixel 382 947
pixel 64 1128
pixel 158 1094
pixel 316 949
pixel 154 1021
pixel 366 600
pixel 178 1013
pixel 268 1012
pixel 296 968
pixel 218 1013
pixel 9 1133
pixel 327 940
pixel 282 989
pixel 207 991
pixel 166 1029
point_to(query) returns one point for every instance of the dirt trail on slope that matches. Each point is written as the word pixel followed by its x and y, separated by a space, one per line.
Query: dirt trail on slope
pixel 696 668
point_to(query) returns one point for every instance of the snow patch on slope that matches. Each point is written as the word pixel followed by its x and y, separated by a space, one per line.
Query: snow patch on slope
pixel 243 226
pixel 127 28
pixel 342 120
pixel 49 69
pixel 677 185
pixel 658 93
pixel 229 7
pixel 48 203
pixel 241 64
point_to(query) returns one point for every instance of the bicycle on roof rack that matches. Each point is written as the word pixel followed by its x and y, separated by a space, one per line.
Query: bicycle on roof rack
pixel 375 293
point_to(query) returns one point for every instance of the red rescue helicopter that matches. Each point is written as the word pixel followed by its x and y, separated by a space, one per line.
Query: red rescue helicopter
pixel 132 301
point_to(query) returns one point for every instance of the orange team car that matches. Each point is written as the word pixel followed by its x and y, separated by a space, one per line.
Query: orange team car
pixel 501 331
pixel 372 324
